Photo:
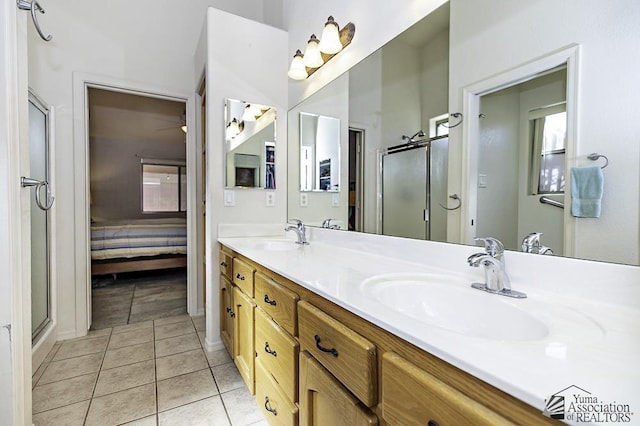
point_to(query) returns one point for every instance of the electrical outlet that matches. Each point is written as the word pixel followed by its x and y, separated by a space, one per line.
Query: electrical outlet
pixel 303 199
pixel 335 200
pixel 229 198
pixel 270 200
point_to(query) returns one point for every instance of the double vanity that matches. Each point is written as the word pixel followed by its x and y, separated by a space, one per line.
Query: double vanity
pixel 370 329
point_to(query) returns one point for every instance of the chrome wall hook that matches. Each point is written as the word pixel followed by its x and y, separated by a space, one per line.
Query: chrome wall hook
pixel 26 182
pixel 453 197
pixel 34 7
pixel 454 115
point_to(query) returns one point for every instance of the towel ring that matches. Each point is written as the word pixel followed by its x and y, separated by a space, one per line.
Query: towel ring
pixel 595 156
pixel 454 115
pixel 453 197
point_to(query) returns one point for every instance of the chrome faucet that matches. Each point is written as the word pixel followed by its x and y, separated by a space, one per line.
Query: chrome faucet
pixel 299 229
pixel 531 244
pixel 327 224
pixel 496 278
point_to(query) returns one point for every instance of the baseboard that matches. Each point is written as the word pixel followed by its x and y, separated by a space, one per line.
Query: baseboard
pixel 216 345
pixel 66 335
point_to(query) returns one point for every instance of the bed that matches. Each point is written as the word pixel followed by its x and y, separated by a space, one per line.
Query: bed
pixel 138 245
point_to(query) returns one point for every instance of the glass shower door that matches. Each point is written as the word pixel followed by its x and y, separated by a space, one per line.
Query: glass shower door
pixel 405 193
pixel 39 170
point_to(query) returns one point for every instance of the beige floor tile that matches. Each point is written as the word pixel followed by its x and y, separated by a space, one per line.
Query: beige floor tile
pixel 202 335
pixel 69 415
pixel 130 338
pixel 74 348
pixel 126 377
pixel 184 389
pixel 241 407
pixel 121 407
pixel 39 372
pixel 98 333
pixel 174 329
pixel 174 345
pixel 216 358
pixel 132 327
pixel 72 367
pixel 128 355
pixel 182 363
pixel 147 421
pixel 64 392
pixel 199 323
pixel 227 377
pixel 52 352
pixel 208 412
pixel 171 320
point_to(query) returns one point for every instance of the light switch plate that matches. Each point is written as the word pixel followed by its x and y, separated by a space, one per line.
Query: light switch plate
pixel 303 199
pixel 229 198
pixel 482 181
pixel 270 198
pixel 335 200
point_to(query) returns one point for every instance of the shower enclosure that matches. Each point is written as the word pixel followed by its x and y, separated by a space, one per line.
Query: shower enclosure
pixel 412 179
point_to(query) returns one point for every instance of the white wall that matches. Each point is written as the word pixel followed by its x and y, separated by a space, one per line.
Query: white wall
pixel 151 42
pixel 512 33
pixel 245 60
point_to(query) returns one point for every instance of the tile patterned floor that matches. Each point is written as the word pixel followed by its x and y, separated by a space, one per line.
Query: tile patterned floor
pixel 137 297
pixel 150 373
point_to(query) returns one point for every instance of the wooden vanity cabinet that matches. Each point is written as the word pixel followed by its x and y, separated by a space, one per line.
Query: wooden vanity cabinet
pixel 227 314
pixel 278 302
pixel 226 264
pixel 325 401
pixel 243 340
pixel 243 276
pixel 412 396
pixel 276 407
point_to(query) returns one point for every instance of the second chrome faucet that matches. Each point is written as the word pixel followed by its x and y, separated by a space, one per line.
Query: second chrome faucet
pixel 496 278
pixel 300 230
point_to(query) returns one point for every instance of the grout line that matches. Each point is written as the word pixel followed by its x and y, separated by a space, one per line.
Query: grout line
pixel 95 384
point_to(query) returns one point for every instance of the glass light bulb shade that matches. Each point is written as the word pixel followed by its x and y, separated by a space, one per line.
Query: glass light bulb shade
pixel 249 114
pixel 297 70
pixel 233 129
pixel 330 39
pixel 312 57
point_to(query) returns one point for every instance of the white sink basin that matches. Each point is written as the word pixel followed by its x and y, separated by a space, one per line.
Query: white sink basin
pixel 277 245
pixel 451 304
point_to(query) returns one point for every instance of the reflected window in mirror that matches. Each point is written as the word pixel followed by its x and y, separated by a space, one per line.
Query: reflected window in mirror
pixel 319 153
pixel 548 130
pixel 250 135
pixel 439 126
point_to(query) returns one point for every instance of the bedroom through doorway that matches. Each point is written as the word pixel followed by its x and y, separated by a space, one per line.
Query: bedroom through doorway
pixel 137 204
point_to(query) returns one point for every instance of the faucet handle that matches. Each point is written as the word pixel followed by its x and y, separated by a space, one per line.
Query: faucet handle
pixel 327 223
pixel 493 246
pixel 530 241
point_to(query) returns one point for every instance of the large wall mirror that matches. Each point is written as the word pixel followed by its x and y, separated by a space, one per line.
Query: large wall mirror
pixel 393 109
pixel 250 139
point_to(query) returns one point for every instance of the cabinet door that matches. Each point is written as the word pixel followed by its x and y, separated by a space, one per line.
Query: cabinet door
pixel 325 401
pixel 412 396
pixel 226 314
pixel 243 343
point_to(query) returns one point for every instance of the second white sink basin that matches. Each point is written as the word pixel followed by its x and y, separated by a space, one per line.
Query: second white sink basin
pixel 449 304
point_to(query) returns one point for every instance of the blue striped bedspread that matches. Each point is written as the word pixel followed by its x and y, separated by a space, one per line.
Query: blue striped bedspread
pixel 148 237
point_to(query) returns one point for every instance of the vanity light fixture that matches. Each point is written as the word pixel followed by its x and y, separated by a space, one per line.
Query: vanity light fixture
pixel 233 129
pixel 318 52
pixel 249 113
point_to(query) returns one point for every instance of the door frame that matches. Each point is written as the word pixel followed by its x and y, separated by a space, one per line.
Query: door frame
pixel 568 55
pixel 15 249
pixel 81 83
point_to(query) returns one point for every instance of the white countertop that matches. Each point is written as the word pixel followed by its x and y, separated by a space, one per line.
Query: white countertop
pixel 592 344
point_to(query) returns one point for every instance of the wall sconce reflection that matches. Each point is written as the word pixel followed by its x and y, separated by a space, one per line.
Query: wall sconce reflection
pixel 318 52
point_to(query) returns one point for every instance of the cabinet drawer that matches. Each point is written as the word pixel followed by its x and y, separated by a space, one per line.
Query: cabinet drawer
pixel 277 301
pixel 277 409
pixel 226 264
pixel 243 276
pixel 411 395
pixel 342 351
pixel 278 352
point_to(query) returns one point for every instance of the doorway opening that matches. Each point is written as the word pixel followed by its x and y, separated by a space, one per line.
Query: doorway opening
pixel 356 177
pixel 138 207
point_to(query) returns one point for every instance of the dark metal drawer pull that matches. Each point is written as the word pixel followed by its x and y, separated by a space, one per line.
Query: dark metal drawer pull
pixel 432 423
pixel 240 277
pixel 269 301
pixel 267 406
pixel 232 314
pixel 332 351
pixel 223 264
pixel 268 350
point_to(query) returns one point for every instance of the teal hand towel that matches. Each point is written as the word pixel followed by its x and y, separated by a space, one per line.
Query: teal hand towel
pixel 587 184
